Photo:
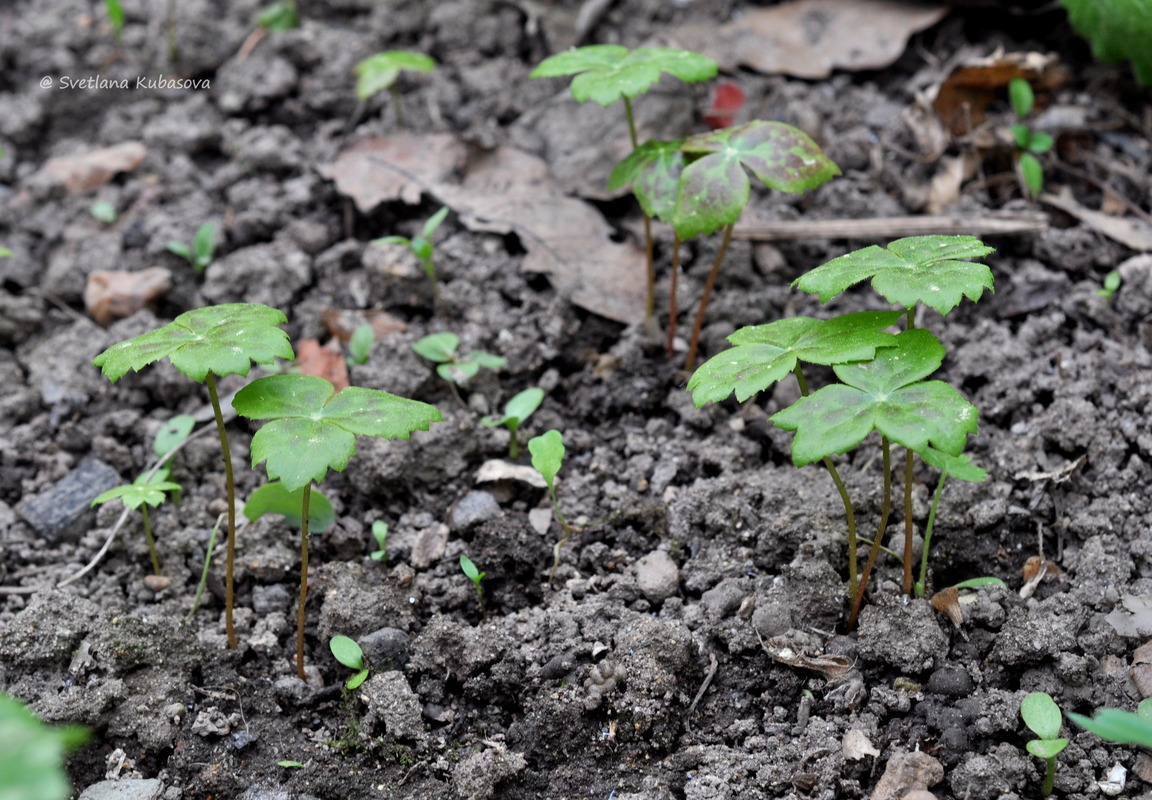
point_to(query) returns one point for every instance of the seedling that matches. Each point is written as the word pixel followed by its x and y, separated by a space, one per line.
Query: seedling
pixel 421 246
pixel 442 349
pixel 360 344
pixel 380 534
pixel 961 467
pixel 279 17
pixel 312 429
pixel 1111 285
pixel 547 451
pixel 378 73
pixel 203 248
pixel 115 17
pixel 606 73
pixel 33 763
pixel 274 498
pixel 5 252
pixel 516 411
pixel 1030 144
pixel 289 764
pixel 1120 727
pixel 103 211
pixel 1042 716
pixel 217 340
pixel 147 490
pixel 349 654
pixel 475 576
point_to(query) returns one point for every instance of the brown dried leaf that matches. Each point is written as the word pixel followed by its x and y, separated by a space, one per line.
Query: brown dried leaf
pixel 312 358
pixel 113 295
pixel 79 173
pixel 1141 671
pixel 1129 232
pixel 810 38
pixel 972 86
pixel 947 602
pixel 373 171
pixel 832 667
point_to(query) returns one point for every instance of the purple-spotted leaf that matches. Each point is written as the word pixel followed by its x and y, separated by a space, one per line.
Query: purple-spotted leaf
pixel 933 270
pixel 606 72
pixel 887 394
pixel 223 340
pixel 714 188
pixel 653 170
pixel 312 430
pixel 764 354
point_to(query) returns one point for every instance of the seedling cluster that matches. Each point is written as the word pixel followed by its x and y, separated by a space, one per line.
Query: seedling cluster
pixel 1030 144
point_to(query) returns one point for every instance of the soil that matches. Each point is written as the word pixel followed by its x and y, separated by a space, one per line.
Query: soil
pixel 644 670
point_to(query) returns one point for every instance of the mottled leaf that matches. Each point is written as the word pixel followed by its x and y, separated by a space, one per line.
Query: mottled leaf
pixel 653 171
pixel 606 72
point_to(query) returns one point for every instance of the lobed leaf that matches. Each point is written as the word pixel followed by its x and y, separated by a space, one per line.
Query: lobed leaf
pixel 138 493
pixel 224 340
pixel 933 270
pixel 653 171
pixel 714 188
pixel 607 72
pixel 764 354
pixel 311 430
pixel 887 395
pixel 274 498
pixel 547 451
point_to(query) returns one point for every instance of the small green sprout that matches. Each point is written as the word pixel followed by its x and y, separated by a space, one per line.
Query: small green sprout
pixel 288 764
pixel 348 653
pixel 217 340
pixel 6 253
pixel 203 248
pixel 103 211
pixel 33 764
pixel 279 16
pixel 1030 144
pixel 474 575
pixel 147 490
pixel 1042 716
pixel 548 451
pixel 380 534
pixel 421 246
pixel 307 409
pixel 378 73
pixel 1120 727
pixel 360 344
pixel 115 17
pixel 1111 285
pixel 516 411
pixel 442 350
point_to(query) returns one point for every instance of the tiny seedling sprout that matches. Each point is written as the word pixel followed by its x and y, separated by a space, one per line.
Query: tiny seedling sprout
pixel 1111 285
pixel 217 340
pixel 103 211
pixel 547 451
pixel 378 73
pixel 473 574
pixel 305 408
pixel 380 534
pixel 360 344
pixel 203 249
pixel 1030 144
pixel 147 490
pixel 442 349
pixel 289 764
pixel 1042 716
pixel 115 17
pixel 421 246
pixel 279 16
pixel 516 411
pixel 348 653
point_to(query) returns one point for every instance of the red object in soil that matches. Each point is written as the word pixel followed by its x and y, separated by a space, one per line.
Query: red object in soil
pixel 727 99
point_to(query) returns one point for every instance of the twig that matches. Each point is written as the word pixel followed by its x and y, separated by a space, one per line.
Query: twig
pixel 886 227
pixel 712 667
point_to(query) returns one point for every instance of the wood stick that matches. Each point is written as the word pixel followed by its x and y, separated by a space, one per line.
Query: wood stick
pixel 1006 224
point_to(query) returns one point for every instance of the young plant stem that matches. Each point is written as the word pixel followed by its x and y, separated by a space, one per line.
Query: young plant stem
pixel 563 541
pixel 303 579
pixel 849 512
pixel 921 586
pixel 170 27
pixel 207 564
pixel 886 509
pixel 1049 776
pixel 513 440
pixel 401 123
pixel 907 585
pixel 230 484
pixel 649 258
pixel 672 294
pixel 690 361
pixel 151 541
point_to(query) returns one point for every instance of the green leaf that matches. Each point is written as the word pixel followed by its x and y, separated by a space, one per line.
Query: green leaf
pixel 32 765
pixel 887 395
pixel 139 492
pixel 470 570
pixel 289 763
pixel 1120 727
pixel 223 340
pixel 957 466
pixel 518 409
pixel 174 432
pixel 5 252
pixel 434 222
pixel 311 430
pixel 764 354
pixel 932 270
pixel 547 451
pixel 1041 715
pixel 653 171
pixel 103 211
pixel 274 498
pixel 714 188
pixel 182 250
pixel 378 72
pixel 347 652
pixel 357 679
pixel 979 583
pixel 360 343
pixel 1119 30
pixel 1046 748
pixel 1022 135
pixel 438 347
pixel 279 17
pixel 204 245
pixel 607 72
pixel 1021 97
pixel 485 360
pixel 1032 171
pixel 1040 143
pixel 115 15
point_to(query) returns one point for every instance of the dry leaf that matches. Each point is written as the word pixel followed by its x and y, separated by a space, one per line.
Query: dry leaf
pixel 947 602
pixel 113 295
pixel 972 86
pixel 832 667
pixel 312 358
pixel 374 171
pixel 498 470
pixel 80 173
pixel 1128 232
pixel 950 176
pixel 810 38
pixel 857 746
pixel 1141 670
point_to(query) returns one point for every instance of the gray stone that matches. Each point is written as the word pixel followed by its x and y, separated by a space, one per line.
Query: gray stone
pixel 386 648
pixel 127 789
pixel 473 509
pixel 62 510
pixel 657 576
pixel 269 599
pixel 392 702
